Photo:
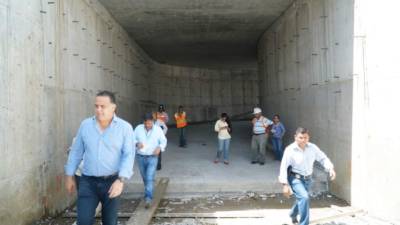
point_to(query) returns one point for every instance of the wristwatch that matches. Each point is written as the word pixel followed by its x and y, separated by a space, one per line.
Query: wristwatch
pixel 122 179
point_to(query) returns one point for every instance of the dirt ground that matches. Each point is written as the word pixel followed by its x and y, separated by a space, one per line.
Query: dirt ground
pixel 244 209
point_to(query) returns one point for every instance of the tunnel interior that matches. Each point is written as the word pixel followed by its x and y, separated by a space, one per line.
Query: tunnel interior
pixel 290 57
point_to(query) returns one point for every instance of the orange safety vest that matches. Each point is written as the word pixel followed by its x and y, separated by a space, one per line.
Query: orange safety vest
pixel 180 120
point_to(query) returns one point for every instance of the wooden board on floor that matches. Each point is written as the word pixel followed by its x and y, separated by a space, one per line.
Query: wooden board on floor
pixel 339 215
pixel 143 216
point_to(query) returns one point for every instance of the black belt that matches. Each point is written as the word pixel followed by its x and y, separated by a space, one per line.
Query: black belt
pixel 299 176
pixel 146 156
pixel 115 175
pixel 258 134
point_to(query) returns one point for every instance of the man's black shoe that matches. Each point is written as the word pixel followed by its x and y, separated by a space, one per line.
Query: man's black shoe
pixel 253 162
pixel 261 163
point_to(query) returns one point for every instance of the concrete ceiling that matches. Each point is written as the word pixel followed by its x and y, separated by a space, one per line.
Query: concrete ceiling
pixel 200 33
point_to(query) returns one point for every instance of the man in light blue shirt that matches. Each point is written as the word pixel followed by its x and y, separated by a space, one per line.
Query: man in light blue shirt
pixel 260 137
pixel 149 140
pixel 104 142
pixel 296 171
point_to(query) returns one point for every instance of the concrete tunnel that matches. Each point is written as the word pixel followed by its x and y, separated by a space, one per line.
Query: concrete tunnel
pixel 328 65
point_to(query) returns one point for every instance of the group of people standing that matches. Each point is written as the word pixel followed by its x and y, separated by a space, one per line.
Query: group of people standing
pixel 106 146
pixel 262 128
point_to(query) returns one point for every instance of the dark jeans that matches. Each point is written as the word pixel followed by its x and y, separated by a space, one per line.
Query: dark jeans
pixel 278 150
pixel 93 190
pixel 182 138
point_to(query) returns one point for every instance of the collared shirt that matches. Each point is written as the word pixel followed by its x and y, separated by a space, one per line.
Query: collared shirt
pixel 104 152
pixel 302 161
pixel 222 133
pixel 278 130
pixel 162 125
pixel 150 139
pixel 260 125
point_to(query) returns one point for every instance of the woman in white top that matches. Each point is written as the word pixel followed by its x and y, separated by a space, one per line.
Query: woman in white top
pixel 224 128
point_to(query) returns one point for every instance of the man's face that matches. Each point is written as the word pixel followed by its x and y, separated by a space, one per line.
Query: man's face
pixel 148 124
pixel 104 108
pixel 302 139
pixel 257 115
pixel 276 119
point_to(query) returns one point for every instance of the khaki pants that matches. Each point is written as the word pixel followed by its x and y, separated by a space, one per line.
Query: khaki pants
pixel 258 148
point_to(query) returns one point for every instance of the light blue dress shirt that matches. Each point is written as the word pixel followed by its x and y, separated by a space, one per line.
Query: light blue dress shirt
pixel 150 139
pixel 104 152
pixel 302 161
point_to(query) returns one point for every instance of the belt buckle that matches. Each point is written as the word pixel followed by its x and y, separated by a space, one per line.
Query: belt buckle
pixel 297 176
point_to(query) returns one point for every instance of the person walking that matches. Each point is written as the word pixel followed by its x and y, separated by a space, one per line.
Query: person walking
pixel 181 124
pixel 224 128
pixel 161 117
pixel 278 131
pixel 260 137
pixel 149 141
pixel 296 170
pixel 104 143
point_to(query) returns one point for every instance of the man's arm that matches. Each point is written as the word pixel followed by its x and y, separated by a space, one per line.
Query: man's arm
pixel 128 153
pixel 325 162
pixel 162 141
pixel 74 159
pixel 75 155
pixel 283 176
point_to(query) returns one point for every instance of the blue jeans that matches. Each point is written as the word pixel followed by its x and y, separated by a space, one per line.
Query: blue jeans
pixel 277 145
pixel 147 167
pixel 223 147
pixel 93 190
pixel 300 189
pixel 182 137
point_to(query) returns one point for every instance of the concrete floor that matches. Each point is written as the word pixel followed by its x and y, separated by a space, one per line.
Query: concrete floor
pixel 191 170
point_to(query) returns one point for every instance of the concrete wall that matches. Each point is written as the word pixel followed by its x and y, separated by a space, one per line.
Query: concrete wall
pixel 376 106
pixel 54 57
pixel 305 69
pixel 205 93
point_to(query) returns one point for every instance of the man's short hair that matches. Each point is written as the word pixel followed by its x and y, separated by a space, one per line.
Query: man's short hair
pixel 302 130
pixel 109 94
pixel 148 116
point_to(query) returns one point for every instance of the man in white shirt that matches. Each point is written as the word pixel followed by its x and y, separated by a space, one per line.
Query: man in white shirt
pixel 260 137
pixel 149 140
pixel 296 171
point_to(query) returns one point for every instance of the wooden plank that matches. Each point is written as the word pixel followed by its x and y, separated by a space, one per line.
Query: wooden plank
pixel 212 215
pixel 187 215
pixel 331 218
pixel 143 216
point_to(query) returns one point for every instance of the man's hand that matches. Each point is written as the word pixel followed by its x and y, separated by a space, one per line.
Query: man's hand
pixel 116 189
pixel 70 184
pixel 332 174
pixel 139 145
pixel 157 151
pixel 287 191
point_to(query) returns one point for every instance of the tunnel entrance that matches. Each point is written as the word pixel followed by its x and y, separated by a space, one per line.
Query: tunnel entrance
pixel 327 65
